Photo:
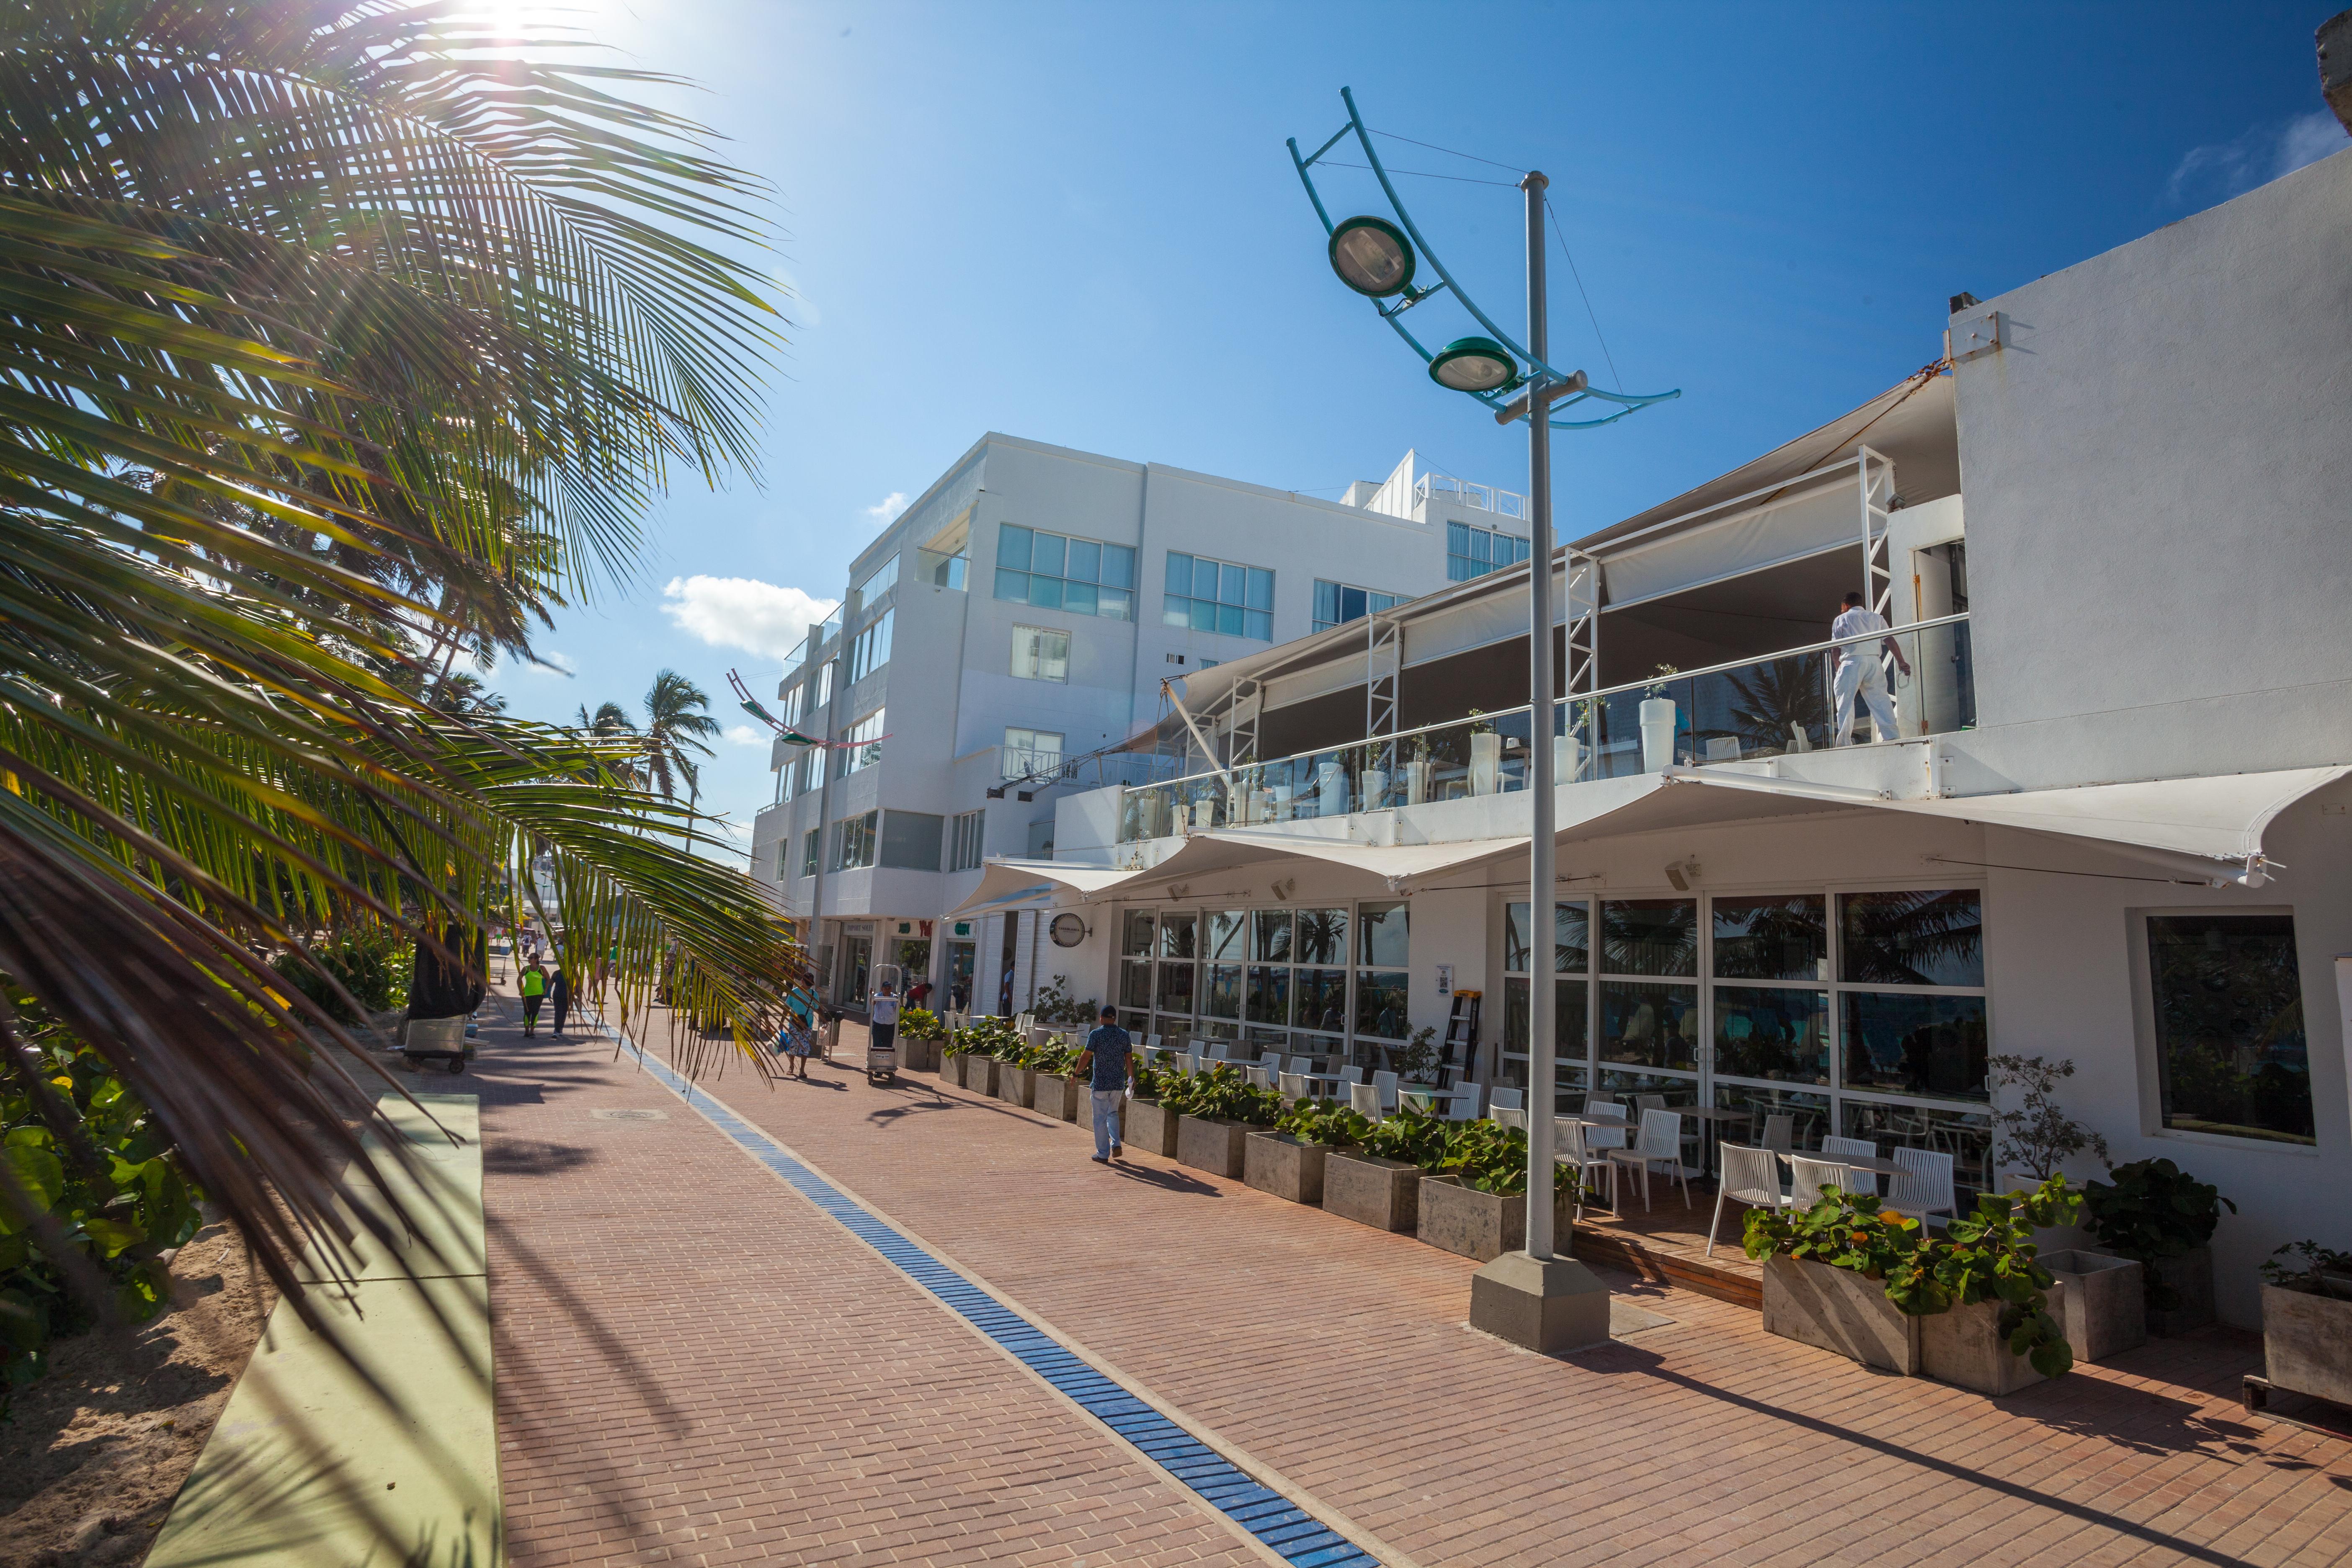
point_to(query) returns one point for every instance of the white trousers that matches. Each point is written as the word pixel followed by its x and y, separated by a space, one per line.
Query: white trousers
pixel 1109 1105
pixel 1861 676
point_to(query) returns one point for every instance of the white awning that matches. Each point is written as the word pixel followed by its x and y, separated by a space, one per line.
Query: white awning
pixel 1033 885
pixel 1398 866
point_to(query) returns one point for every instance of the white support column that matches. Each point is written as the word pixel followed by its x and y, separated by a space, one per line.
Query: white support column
pixel 1383 672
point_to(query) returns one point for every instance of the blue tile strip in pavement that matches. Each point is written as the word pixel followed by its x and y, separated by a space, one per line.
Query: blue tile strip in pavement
pixel 1291 1532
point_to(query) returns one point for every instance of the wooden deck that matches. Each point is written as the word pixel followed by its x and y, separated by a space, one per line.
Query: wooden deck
pixel 1668 1243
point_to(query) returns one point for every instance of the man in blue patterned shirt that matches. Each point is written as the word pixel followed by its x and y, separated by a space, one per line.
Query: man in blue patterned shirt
pixel 1105 1059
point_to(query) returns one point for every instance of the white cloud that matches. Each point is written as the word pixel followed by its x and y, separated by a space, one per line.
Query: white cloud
pixel 550 663
pixel 743 612
pixel 745 735
pixel 886 511
pixel 2220 170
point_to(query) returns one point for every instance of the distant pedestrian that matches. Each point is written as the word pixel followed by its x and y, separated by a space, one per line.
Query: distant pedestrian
pixel 882 1018
pixel 797 1042
pixel 1106 1058
pixel 534 990
pixel 919 995
pixel 559 996
pixel 1858 673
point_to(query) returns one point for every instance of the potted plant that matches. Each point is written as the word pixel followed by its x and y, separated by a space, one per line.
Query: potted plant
pixel 2307 1321
pixel 1485 755
pixel 1413 1061
pixel 2161 1217
pixel 2034 1135
pixel 1372 1170
pixel 1988 1317
pixel 1289 1160
pixel 1567 755
pixel 1416 770
pixel 1214 1111
pixel 978 1048
pixel 1825 1272
pixel 1052 1090
pixel 920 1031
pixel 1147 1124
pixel 1371 781
pixel 1475 1204
pixel 1657 716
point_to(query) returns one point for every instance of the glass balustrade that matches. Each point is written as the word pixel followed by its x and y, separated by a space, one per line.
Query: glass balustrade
pixel 1918 679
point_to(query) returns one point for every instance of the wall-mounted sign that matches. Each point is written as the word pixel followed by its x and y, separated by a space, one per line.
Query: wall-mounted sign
pixel 1066 929
pixel 1445 980
pixel 906 928
pixel 927 929
pixel 963 928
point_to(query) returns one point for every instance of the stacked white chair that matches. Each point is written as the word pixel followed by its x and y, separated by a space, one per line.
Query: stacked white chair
pixel 1570 1147
pixel 1294 1088
pixel 1364 1100
pixel 1507 1100
pixel 1923 1186
pixel 1508 1116
pixel 1864 1181
pixel 1808 1177
pixel 1751 1176
pixel 1777 1127
pixel 1466 1101
pixel 1385 1084
pixel 1661 1144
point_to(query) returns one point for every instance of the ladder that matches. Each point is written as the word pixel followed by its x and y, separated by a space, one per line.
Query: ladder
pixel 1459 1055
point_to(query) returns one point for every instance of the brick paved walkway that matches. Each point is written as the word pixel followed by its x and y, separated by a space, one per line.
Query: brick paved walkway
pixel 718 1374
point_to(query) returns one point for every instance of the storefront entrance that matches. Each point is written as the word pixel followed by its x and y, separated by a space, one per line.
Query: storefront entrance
pixel 856 969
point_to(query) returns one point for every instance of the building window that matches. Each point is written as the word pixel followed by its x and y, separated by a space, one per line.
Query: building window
pixel 871 650
pixel 1030 752
pixel 784 859
pixel 1474 552
pixel 1055 571
pixel 1337 604
pixel 2227 1005
pixel 862 745
pixel 910 840
pixel 853 842
pixel 1219 597
pixel 825 684
pixel 793 701
pixel 965 840
pixel 808 853
pixel 1330 984
pixel 1039 654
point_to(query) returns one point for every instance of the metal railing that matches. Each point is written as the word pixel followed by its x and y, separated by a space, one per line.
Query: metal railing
pixel 1809 699
pixel 1478 498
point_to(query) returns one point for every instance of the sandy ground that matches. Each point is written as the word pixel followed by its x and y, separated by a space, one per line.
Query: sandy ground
pixel 93 1454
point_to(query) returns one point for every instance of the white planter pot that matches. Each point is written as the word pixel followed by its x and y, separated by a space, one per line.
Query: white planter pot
pixel 1485 763
pixel 1657 733
pixel 1331 790
pixel 1567 756
pixel 1416 783
pixel 1376 788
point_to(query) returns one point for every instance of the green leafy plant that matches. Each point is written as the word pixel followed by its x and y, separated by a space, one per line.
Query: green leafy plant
pixel 1413 1136
pixel 1053 1056
pixel 1151 1080
pixel 108 1190
pixel 1329 1122
pixel 1054 1004
pixel 1411 1060
pixel 1222 1094
pixel 1479 723
pixel 1990 1256
pixel 372 964
pixel 1492 1157
pixel 2323 1271
pixel 2036 1135
pixel 1666 673
pixel 921 1024
pixel 989 1038
pixel 2152 1210
pixel 1845 1230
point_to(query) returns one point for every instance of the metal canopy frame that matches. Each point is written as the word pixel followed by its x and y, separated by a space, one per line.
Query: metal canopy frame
pixel 1499 398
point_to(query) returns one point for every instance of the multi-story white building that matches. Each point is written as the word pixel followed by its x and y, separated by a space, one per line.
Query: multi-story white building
pixel 2113 536
pixel 1022 613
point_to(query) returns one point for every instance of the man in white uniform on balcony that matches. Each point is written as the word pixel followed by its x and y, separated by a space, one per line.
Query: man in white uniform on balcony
pixel 1858 671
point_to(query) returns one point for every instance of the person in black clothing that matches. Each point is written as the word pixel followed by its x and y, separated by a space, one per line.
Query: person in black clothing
pixel 559 996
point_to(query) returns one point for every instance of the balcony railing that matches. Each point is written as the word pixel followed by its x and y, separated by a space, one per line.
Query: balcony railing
pixel 1479 498
pixel 1803 699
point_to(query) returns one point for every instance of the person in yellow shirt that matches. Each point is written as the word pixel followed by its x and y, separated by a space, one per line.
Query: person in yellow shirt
pixel 533 985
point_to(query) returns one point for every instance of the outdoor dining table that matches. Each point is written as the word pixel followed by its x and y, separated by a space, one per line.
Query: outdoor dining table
pixel 1711 1114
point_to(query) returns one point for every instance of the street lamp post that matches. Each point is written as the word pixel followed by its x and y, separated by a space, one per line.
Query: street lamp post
pixel 1537 1297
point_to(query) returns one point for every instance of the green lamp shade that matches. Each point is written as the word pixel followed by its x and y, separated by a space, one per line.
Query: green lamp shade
pixel 1372 256
pixel 1474 364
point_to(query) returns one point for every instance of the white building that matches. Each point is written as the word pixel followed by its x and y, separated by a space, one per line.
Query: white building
pixel 1021 614
pixel 2115 543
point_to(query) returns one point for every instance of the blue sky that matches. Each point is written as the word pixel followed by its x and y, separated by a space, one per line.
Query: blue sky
pixel 1078 224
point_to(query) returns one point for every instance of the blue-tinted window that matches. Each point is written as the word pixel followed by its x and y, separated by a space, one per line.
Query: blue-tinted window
pixel 1218 596
pixel 1474 552
pixel 1337 604
pixel 1055 571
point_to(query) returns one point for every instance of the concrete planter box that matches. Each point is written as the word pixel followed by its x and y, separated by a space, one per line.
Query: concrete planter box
pixel 1013 1084
pixel 2106 1303
pixel 1840 1311
pixel 1055 1095
pixel 918 1055
pixel 2191 1275
pixel 1965 1347
pixel 2307 1342
pixel 1150 1128
pixel 1382 1194
pixel 979 1074
pixel 1483 1225
pixel 1279 1163
pixel 1207 1143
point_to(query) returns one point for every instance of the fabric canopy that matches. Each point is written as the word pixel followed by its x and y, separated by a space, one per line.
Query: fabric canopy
pixel 1033 885
pixel 1396 865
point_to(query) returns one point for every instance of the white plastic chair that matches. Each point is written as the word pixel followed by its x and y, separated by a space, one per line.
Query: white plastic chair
pixel 1751 1176
pixel 1508 1116
pixel 1364 1100
pixel 1661 1144
pixel 1600 1109
pixel 1385 1084
pixel 1463 1106
pixel 1507 1100
pixel 1187 1063
pixel 1259 1076
pixel 1293 1087
pixel 1649 1103
pixel 1777 1126
pixel 1352 1075
pixel 1923 1186
pixel 1569 1147
pixel 1808 1177
pixel 1864 1181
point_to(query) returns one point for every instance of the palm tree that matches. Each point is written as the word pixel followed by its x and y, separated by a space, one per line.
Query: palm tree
pixel 675 728
pixel 336 326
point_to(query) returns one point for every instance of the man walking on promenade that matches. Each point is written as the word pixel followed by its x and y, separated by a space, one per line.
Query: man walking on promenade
pixel 1106 1059
pixel 559 996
